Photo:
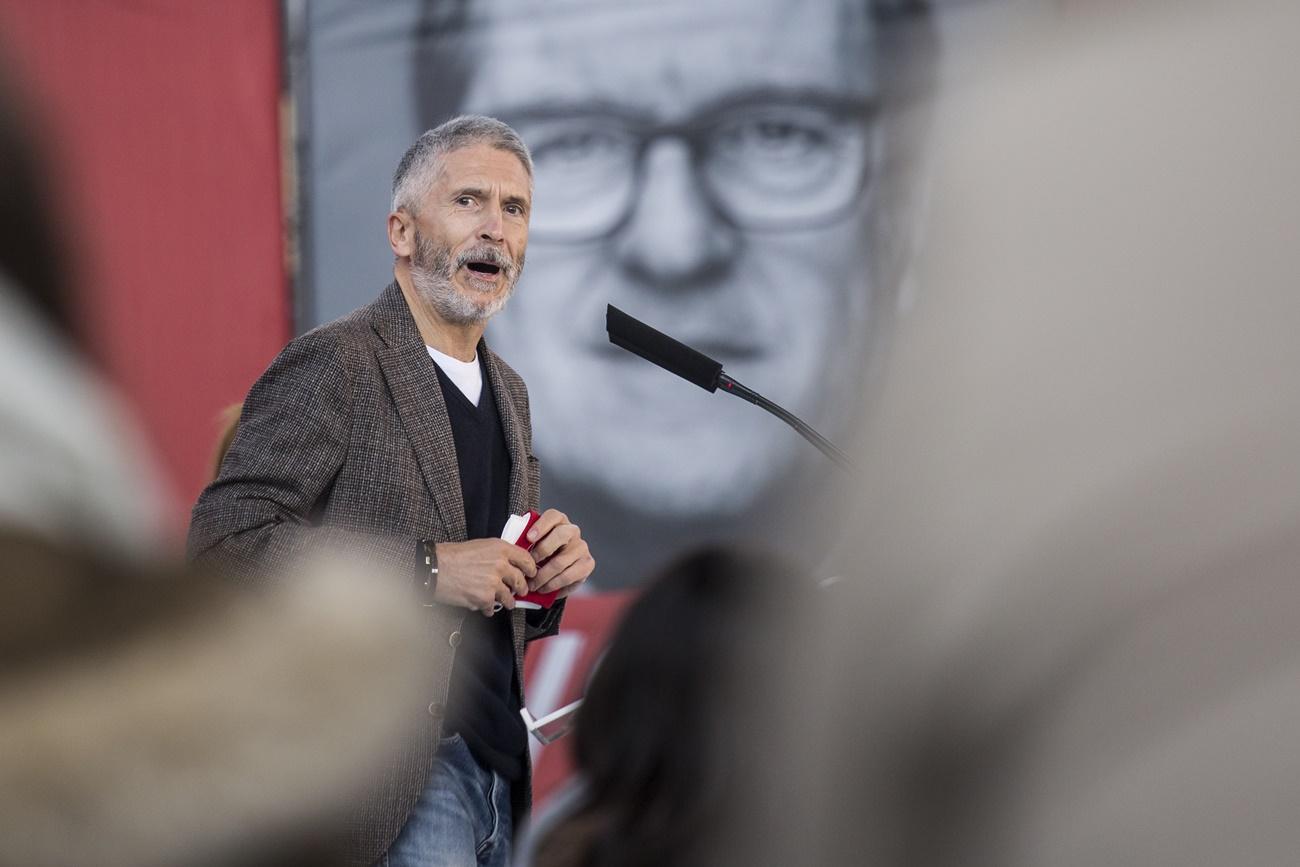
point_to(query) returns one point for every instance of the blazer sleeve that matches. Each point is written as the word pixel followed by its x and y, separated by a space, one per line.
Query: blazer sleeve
pixel 289 446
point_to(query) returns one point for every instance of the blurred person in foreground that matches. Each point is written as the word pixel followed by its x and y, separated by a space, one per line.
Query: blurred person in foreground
pixel 155 715
pixel 151 715
pixel 658 744
pixel 398 427
pixel 1075 634
pixel 716 168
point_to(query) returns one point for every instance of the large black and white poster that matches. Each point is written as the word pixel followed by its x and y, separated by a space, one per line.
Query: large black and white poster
pixel 720 169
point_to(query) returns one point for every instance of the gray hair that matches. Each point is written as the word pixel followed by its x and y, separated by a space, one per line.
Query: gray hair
pixel 420 162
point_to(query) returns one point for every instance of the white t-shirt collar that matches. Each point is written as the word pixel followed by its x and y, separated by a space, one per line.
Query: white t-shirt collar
pixel 467 375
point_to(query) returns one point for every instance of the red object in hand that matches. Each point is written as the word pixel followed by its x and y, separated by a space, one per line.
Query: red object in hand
pixel 516 532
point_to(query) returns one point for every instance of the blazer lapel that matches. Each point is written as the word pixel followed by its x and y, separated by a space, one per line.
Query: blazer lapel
pixel 413 382
pixel 513 428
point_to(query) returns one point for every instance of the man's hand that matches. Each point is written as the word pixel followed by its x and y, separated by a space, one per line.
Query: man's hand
pixel 570 561
pixel 482 572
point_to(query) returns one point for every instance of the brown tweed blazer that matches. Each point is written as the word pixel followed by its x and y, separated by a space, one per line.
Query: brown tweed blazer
pixel 346 435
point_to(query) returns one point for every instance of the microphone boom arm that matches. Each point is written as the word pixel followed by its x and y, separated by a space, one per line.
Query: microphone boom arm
pixel 676 357
pixel 828 448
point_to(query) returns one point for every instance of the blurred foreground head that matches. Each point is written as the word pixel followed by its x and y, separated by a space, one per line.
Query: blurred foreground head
pixel 158 716
pixel 659 744
pixel 1075 637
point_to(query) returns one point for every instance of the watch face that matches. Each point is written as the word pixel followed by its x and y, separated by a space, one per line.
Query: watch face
pixel 426 571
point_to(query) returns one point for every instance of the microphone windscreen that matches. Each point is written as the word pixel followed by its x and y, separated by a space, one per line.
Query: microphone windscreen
pixel 658 348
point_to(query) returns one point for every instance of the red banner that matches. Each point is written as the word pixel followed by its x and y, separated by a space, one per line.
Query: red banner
pixel 162 125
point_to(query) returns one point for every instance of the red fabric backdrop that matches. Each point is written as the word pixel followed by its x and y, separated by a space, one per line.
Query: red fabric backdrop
pixel 162 125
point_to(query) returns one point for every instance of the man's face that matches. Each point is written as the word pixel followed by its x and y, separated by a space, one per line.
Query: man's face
pixel 700 164
pixel 470 234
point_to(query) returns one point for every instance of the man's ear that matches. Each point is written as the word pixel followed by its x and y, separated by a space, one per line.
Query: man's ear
pixel 401 234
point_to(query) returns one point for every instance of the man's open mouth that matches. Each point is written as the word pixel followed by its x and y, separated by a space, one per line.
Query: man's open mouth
pixel 485 268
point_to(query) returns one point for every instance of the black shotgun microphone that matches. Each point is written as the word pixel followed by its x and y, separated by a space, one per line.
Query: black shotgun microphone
pixel 658 348
pixel 694 366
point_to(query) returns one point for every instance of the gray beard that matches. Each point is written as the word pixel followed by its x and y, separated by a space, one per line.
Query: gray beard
pixel 431 273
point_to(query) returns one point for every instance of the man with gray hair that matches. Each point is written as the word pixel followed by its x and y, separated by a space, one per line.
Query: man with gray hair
pixel 397 430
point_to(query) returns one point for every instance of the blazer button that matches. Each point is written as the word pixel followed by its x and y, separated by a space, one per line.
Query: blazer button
pixel 435 709
pixel 454 639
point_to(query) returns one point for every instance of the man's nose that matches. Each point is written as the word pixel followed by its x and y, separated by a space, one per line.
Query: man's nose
pixel 493 225
pixel 674 239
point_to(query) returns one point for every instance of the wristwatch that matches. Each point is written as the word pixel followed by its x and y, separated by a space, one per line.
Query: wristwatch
pixel 426 570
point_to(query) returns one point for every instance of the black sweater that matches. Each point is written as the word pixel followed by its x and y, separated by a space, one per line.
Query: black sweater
pixel 483 706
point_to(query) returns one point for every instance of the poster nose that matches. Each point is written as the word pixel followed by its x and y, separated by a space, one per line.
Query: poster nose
pixel 674 235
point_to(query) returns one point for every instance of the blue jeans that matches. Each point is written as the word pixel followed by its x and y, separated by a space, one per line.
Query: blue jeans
pixel 461 819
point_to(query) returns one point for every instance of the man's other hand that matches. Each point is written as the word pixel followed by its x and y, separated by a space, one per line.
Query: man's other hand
pixel 482 572
pixel 570 561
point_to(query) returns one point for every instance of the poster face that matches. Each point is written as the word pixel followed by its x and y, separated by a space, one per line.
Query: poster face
pixel 712 167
